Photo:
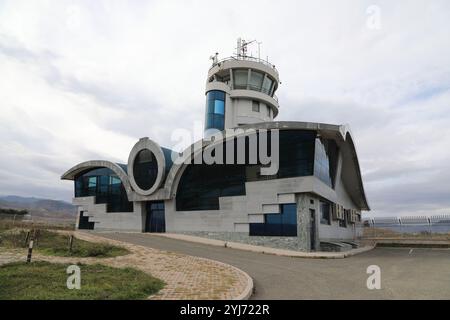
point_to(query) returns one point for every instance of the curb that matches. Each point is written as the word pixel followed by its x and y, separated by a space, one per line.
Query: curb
pixel 248 291
pixel 265 250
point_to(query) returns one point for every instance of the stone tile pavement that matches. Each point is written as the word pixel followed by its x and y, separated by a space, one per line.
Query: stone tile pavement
pixel 186 277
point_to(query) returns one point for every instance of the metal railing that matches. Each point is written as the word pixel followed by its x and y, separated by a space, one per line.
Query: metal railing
pixel 246 58
pixel 437 226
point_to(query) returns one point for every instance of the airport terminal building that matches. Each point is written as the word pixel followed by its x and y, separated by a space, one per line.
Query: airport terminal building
pixel 314 196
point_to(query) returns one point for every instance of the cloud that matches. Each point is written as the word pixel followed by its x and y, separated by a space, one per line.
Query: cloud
pixel 84 80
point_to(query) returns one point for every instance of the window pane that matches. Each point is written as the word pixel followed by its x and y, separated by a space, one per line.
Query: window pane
pixel 106 187
pixel 92 182
pixel 289 214
pixel 240 79
pixel 210 106
pixel 255 106
pixel 219 106
pixel 282 224
pixel 220 95
pixel 201 186
pixel 267 85
pixel 145 169
pixel 273 218
pixel 209 121
pixel 256 79
pixel 325 213
pixel 218 121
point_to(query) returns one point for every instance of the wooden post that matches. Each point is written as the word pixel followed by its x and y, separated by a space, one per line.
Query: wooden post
pixel 70 243
pixel 30 250
pixel 27 238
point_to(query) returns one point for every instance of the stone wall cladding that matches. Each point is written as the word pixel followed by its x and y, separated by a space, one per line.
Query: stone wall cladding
pixel 289 243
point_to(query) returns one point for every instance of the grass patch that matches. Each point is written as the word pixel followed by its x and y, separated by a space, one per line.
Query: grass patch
pixel 55 244
pixel 47 281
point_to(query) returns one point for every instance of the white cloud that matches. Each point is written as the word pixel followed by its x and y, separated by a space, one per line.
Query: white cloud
pixel 83 79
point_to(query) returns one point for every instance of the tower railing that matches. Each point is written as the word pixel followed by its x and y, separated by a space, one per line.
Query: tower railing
pixel 245 58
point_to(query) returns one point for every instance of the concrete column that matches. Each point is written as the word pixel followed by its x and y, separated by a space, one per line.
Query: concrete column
pixel 303 223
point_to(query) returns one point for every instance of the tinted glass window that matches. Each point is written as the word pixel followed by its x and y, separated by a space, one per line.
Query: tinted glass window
pixel 279 224
pixel 219 107
pixel 256 79
pixel 106 187
pixel 240 79
pixel 215 110
pixel 325 213
pixel 325 161
pixel 145 169
pixel 201 185
pixel 267 85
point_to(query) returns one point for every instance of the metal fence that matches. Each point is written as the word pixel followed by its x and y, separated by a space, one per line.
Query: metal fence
pixel 408 226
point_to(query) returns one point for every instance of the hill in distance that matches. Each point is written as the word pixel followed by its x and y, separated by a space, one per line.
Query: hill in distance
pixel 40 208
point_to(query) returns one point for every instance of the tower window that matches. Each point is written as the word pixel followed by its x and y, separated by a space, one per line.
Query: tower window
pixel 215 110
pixel 255 106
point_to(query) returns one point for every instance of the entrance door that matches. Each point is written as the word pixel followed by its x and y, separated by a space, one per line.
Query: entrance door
pixel 155 221
pixel 313 229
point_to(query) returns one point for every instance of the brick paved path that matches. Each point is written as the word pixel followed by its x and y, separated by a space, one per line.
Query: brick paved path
pixel 186 277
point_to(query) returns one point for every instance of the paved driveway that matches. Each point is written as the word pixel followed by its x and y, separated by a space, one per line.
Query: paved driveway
pixel 405 273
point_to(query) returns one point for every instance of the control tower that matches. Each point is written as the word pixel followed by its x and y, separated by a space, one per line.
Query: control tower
pixel 240 90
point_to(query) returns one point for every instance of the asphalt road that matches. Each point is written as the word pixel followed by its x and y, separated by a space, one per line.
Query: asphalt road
pixel 405 273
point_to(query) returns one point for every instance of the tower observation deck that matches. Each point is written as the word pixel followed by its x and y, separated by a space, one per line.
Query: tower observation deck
pixel 240 90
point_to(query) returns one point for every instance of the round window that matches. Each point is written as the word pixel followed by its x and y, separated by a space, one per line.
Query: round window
pixel 145 169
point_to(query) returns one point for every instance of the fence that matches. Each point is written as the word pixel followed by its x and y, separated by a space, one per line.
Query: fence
pixel 436 226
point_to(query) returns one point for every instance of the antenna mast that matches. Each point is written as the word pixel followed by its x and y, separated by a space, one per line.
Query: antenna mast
pixel 242 48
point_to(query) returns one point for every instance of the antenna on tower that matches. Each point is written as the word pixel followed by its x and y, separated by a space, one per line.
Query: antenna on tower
pixel 214 58
pixel 242 48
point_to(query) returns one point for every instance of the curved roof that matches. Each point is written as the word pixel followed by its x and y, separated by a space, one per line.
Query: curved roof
pixel 119 169
pixel 351 173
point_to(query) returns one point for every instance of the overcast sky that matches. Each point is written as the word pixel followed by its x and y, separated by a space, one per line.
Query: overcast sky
pixel 82 80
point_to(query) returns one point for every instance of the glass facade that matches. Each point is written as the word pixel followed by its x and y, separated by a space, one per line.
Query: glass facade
pixel 145 169
pixel 325 161
pixel 296 153
pixel 83 222
pixel 215 110
pixel 267 86
pixel 240 78
pixel 278 224
pixel 201 185
pixel 257 81
pixel 107 188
